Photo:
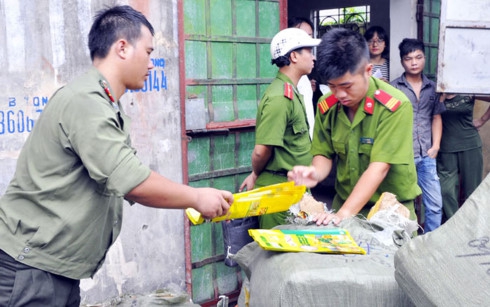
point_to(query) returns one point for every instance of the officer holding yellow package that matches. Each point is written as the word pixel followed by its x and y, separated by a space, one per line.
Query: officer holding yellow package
pixel 365 126
pixel 282 139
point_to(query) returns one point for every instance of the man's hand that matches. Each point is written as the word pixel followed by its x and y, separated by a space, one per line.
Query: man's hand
pixel 326 218
pixel 212 202
pixel 249 182
pixel 432 152
pixel 304 175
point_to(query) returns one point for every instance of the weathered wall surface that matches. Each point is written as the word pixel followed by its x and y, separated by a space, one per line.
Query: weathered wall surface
pixel 43 45
pixel 403 24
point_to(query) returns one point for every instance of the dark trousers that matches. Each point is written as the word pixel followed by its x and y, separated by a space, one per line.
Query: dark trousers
pixel 460 174
pixel 25 286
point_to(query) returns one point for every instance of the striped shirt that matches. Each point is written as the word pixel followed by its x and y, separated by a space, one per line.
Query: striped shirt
pixel 384 68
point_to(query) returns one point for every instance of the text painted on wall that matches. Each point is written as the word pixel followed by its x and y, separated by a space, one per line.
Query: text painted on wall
pixel 157 80
pixel 20 114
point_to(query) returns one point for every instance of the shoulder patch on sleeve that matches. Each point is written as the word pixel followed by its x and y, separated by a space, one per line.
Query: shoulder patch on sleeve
pixel 325 104
pixel 390 102
pixel 288 91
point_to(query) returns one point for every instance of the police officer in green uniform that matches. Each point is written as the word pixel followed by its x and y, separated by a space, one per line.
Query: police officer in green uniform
pixel 63 208
pixel 365 125
pixel 281 137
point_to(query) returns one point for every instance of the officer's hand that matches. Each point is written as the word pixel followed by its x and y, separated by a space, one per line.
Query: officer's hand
pixel 326 218
pixel 212 202
pixel 303 175
pixel 248 183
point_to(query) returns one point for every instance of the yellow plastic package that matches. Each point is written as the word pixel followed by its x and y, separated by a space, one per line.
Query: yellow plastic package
pixel 269 199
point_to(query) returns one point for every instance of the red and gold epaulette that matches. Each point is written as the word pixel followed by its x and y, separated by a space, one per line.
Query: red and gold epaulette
pixel 288 91
pixel 327 103
pixel 387 100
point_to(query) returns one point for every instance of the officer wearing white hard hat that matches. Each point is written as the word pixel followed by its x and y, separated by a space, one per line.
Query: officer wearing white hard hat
pixel 282 139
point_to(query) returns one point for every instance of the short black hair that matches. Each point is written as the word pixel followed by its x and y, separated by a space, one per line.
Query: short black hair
pixel 284 60
pixel 295 22
pixel 382 35
pixel 409 45
pixel 113 23
pixel 339 52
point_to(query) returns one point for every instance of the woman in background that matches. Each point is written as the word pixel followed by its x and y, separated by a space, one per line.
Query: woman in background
pixel 378 43
pixel 460 158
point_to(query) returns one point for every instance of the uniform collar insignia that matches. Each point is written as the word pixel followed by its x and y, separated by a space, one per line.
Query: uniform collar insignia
pixel 369 105
pixel 288 91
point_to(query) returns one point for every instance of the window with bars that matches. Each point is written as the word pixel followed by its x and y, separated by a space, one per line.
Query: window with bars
pixel 428 13
pixel 355 18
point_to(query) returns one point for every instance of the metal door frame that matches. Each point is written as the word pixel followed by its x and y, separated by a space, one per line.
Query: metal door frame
pixel 209 127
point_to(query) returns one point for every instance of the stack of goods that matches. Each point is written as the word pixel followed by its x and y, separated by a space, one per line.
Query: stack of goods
pixel 305 210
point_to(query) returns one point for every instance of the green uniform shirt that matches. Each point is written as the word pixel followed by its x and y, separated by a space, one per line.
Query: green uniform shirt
pixel 383 136
pixel 281 123
pixel 63 208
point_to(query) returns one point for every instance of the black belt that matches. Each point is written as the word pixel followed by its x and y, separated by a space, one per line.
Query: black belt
pixel 278 173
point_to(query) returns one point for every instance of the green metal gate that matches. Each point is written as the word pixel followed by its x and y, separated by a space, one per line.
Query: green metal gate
pixel 226 68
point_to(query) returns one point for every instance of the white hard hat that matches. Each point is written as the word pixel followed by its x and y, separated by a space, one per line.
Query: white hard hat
pixel 290 39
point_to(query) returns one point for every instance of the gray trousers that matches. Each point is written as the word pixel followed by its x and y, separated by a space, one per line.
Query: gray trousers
pixel 22 285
